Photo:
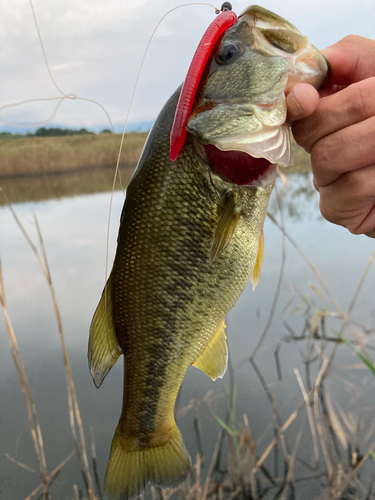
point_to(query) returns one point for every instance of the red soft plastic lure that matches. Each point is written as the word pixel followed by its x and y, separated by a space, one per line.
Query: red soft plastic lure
pixel 185 103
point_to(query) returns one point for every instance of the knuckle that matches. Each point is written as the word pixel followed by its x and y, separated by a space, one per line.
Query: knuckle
pixel 352 182
pixel 325 209
pixel 354 230
pixel 358 106
pixel 321 153
pixel 351 39
pixel 301 136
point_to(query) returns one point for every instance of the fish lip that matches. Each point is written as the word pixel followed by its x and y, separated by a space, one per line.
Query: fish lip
pixel 260 129
pixel 329 70
pixel 318 66
pixel 271 143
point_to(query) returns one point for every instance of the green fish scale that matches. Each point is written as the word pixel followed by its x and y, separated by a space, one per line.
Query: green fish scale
pixel 167 298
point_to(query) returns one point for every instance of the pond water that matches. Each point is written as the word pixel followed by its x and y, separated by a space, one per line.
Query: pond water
pixel 74 231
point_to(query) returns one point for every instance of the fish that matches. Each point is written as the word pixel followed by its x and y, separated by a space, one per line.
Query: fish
pixel 191 234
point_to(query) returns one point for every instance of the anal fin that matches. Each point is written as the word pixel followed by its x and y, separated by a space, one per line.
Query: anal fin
pixel 214 359
pixel 259 262
pixel 104 350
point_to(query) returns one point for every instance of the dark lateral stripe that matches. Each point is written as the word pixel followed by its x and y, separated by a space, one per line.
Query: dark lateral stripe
pixel 179 295
pixel 151 396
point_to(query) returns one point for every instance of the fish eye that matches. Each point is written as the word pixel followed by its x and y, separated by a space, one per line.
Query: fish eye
pixel 228 53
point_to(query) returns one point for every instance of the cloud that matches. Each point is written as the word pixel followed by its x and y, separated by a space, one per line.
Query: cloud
pixel 95 49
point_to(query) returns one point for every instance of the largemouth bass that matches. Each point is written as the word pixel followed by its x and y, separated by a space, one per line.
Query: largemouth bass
pixel 190 239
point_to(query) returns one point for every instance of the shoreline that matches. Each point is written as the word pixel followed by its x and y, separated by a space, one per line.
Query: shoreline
pixel 62 172
pixel 26 157
pixel 36 169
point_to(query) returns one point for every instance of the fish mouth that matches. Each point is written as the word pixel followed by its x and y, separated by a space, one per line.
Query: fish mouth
pixel 270 142
pixel 260 137
pixel 239 168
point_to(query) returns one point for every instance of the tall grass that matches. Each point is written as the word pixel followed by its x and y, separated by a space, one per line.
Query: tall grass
pixel 46 155
pixel 74 412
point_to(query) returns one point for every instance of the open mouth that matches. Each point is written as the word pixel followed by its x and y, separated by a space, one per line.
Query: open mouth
pixel 236 166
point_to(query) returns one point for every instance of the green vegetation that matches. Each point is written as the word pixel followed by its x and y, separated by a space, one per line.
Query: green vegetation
pixel 48 132
pixel 51 132
pixel 9 135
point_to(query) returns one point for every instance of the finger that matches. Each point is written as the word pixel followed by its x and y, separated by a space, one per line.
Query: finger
pixel 346 150
pixel 330 89
pixel 350 201
pixel 349 106
pixel 351 60
pixel 301 101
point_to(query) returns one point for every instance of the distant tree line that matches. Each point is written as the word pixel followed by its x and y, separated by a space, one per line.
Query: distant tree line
pixel 48 132
pixel 51 132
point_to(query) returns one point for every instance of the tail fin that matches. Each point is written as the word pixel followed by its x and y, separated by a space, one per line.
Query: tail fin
pixel 131 467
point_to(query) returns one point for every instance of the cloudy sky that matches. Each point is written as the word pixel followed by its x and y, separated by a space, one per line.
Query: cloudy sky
pixel 95 47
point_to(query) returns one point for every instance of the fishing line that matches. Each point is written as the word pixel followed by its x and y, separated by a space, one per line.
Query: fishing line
pixel 74 97
pixel 34 124
pixel 217 11
pixel 61 99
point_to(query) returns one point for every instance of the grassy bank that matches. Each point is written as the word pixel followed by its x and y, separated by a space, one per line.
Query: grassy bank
pixel 42 168
pixel 22 156
pixel 41 155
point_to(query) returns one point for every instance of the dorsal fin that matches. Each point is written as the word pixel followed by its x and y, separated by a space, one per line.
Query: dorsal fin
pixel 185 103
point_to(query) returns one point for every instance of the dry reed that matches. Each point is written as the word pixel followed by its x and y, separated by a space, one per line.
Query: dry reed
pixel 46 155
pixel 35 430
pixel 74 412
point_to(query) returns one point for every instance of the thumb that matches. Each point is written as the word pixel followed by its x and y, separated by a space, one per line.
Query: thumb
pixel 301 101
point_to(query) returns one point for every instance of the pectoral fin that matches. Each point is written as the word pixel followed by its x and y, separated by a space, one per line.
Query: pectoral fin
pixel 213 360
pixel 224 230
pixel 104 350
pixel 258 264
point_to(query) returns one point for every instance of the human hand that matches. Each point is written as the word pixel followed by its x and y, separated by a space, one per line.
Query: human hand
pixel 337 126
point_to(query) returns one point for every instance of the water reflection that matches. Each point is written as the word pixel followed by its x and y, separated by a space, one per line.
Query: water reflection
pixel 74 231
pixel 86 181
pixel 300 199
